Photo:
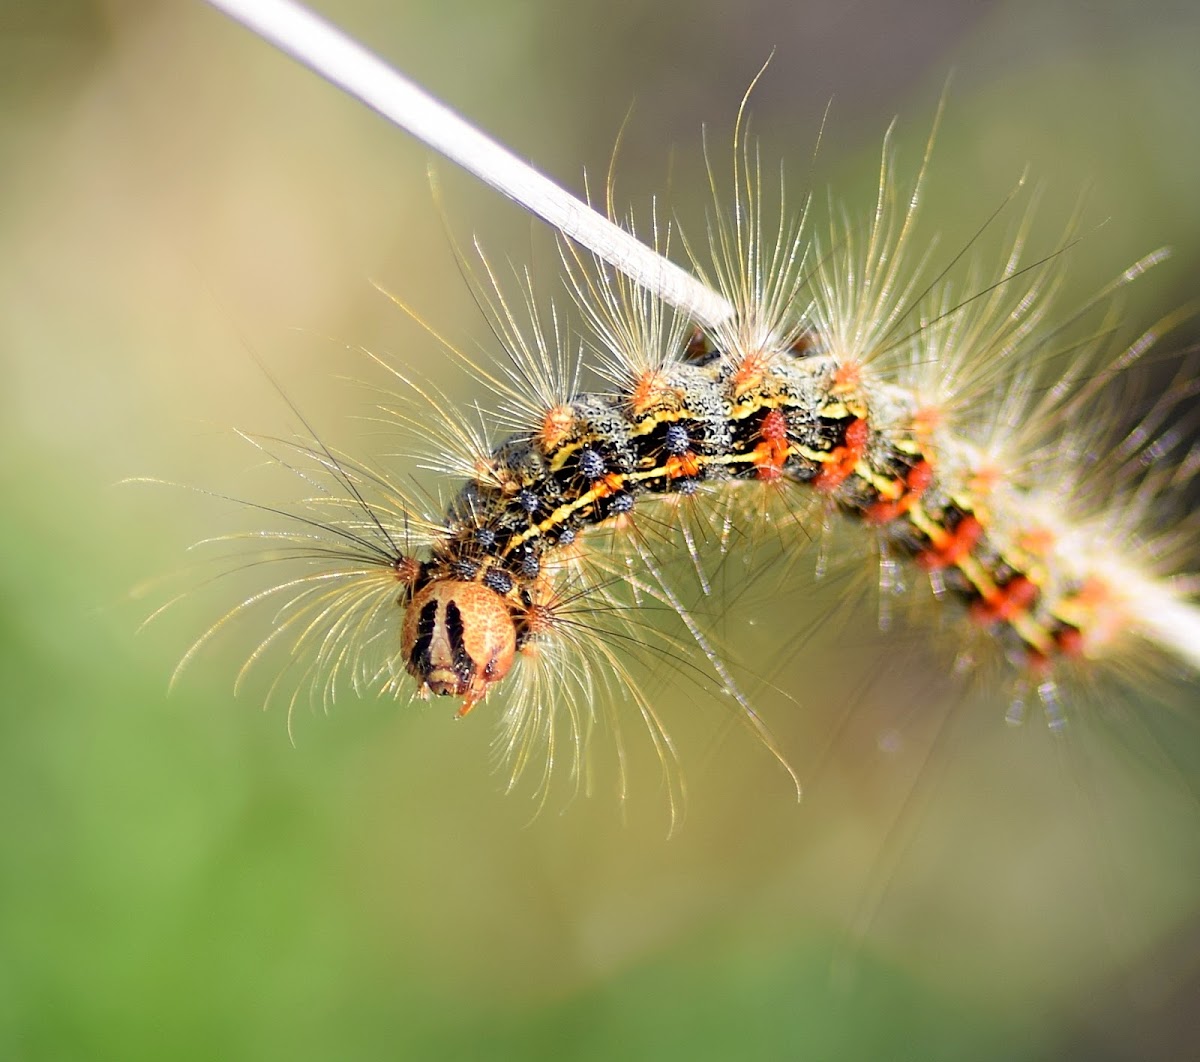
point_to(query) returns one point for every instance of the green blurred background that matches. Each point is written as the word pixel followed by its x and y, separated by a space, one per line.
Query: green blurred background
pixel 177 880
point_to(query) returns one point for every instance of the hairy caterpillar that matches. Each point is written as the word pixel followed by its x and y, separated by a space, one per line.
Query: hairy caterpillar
pixel 846 383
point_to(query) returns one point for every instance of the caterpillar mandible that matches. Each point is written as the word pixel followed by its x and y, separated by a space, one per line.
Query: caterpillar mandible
pixel 819 374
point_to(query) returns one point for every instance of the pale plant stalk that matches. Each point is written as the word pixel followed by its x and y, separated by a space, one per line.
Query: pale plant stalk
pixel 329 52
pixel 1153 607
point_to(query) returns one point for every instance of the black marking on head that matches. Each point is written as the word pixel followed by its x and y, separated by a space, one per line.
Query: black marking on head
pixel 426 622
pixel 464 666
pixel 454 624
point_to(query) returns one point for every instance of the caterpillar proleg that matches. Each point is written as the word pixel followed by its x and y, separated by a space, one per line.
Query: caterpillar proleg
pixel 820 374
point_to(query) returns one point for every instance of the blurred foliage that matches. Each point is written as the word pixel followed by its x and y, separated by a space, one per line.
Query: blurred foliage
pixel 178 880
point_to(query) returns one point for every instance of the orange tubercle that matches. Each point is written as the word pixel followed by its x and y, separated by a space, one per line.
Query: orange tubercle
pixel 608 484
pixel 926 421
pixel 647 389
pixel 847 379
pixel 749 374
pixel 556 426
pixel 683 465
pixel 1036 540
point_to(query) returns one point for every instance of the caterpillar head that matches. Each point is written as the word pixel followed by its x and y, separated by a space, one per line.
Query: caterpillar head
pixel 457 639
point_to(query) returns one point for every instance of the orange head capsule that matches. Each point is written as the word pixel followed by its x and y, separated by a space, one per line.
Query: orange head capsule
pixel 457 639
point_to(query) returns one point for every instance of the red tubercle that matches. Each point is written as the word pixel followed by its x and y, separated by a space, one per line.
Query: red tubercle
pixel 857 434
pixel 884 512
pixel 843 459
pixel 1070 642
pixel 771 454
pixel 954 547
pixel 1007 602
pixel 774 426
pixel 919 477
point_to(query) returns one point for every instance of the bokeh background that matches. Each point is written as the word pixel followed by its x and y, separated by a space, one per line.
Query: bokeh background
pixel 178 879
